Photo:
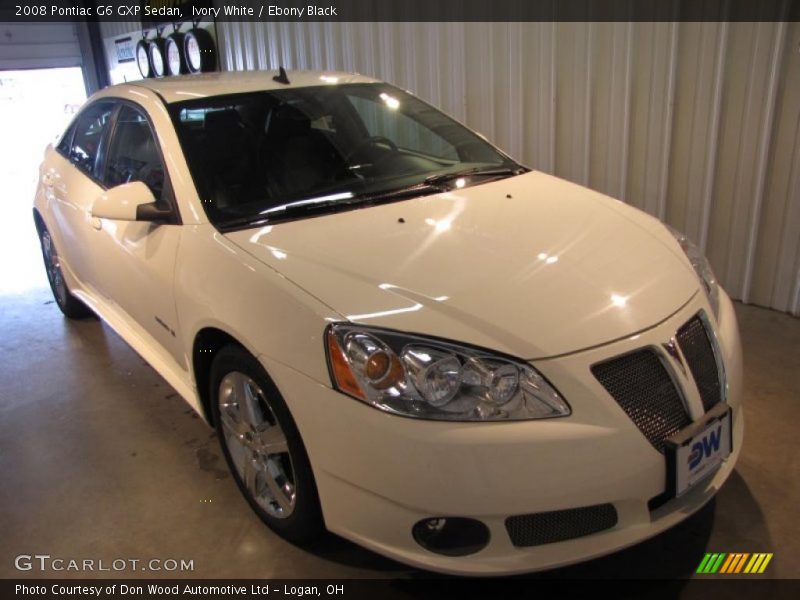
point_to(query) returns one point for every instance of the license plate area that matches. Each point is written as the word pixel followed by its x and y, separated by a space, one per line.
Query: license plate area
pixel 697 451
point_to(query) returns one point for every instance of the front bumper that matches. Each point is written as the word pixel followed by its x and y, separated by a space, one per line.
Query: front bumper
pixel 379 474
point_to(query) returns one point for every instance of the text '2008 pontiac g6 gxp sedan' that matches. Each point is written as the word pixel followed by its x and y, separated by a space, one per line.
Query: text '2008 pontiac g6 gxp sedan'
pixel 399 333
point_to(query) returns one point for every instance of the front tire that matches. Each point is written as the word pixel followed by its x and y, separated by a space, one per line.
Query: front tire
pixel 262 446
pixel 69 304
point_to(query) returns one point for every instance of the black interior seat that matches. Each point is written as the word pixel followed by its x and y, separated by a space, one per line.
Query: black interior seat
pixel 299 157
pixel 229 156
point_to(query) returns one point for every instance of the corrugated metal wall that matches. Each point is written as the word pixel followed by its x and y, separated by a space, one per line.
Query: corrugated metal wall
pixel 696 123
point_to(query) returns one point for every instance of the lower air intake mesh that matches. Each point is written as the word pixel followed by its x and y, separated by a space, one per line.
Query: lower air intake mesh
pixel 644 390
pixel 559 525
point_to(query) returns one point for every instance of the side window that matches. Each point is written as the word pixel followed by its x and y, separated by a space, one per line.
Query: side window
pixel 65 142
pixel 88 136
pixel 133 154
pixel 402 130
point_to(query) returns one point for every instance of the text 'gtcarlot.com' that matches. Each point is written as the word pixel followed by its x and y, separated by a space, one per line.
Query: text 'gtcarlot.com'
pixel 45 562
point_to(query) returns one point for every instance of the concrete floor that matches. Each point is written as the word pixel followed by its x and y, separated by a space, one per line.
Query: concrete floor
pixel 99 458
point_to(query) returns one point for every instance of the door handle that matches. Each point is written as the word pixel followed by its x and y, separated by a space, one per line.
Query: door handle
pixel 96 223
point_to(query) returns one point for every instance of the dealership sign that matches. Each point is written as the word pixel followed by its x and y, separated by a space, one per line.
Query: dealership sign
pixel 125 49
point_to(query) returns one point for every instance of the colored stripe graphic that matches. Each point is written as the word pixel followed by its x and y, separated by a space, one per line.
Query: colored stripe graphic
pixel 730 564
pixel 714 562
pixel 718 563
pixel 755 561
pixel 708 562
pixel 727 564
pixel 767 558
pixel 734 563
pixel 702 567
pixel 741 562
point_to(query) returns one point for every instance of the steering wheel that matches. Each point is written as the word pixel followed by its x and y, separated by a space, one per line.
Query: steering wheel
pixel 371 140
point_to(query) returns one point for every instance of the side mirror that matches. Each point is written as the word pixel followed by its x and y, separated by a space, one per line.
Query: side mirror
pixel 129 202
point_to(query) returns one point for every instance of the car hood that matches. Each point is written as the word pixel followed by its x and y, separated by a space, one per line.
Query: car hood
pixel 531 265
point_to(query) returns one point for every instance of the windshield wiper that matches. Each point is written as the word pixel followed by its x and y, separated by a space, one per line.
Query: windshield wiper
pixel 304 208
pixel 346 201
pixel 287 211
pixel 443 178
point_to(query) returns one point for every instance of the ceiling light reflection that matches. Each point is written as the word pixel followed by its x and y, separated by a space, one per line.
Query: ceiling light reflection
pixel 390 101
pixel 550 260
pixel 440 226
pixel 620 301
pixel 384 313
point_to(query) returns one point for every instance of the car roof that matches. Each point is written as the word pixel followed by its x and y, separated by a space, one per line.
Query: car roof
pixel 187 87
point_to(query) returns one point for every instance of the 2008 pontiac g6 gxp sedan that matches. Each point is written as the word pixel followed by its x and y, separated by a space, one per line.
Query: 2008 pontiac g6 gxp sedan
pixel 399 333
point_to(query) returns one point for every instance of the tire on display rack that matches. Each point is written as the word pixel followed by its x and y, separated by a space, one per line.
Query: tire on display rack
pixel 158 56
pixel 200 51
pixel 143 58
pixel 176 55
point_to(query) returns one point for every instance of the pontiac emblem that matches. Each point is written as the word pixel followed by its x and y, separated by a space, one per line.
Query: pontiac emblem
pixel 672 349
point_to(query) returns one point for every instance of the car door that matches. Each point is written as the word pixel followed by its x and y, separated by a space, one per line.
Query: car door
pixel 135 260
pixel 71 183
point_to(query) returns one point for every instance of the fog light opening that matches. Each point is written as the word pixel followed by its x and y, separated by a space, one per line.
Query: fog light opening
pixel 451 536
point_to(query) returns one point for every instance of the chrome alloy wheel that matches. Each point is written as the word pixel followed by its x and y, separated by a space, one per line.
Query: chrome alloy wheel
pixel 53 268
pixel 257 444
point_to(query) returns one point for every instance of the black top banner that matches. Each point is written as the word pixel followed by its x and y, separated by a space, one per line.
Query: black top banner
pixel 152 12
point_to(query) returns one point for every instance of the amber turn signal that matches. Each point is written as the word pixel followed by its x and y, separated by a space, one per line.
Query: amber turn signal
pixel 342 375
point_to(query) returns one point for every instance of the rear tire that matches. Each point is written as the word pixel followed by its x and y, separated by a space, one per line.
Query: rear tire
pixel 263 447
pixel 69 304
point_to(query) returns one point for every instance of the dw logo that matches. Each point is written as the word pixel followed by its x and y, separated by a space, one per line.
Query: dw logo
pixel 705 447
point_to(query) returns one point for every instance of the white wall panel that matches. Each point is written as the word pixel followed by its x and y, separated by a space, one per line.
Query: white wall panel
pixel 110 31
pixel 695 123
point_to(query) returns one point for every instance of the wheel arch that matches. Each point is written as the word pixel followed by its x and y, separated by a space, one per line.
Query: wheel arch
pixel 208 341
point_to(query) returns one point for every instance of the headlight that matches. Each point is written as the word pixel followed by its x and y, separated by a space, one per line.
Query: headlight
pixel 431 379
pixel 701 267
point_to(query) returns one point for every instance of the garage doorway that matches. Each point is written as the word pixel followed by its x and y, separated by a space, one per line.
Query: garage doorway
pixel 35 106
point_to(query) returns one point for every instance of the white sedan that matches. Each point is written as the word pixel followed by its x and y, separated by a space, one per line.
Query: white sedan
pixel 399 333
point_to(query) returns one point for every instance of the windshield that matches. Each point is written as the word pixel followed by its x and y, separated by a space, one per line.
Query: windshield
pixel 288 153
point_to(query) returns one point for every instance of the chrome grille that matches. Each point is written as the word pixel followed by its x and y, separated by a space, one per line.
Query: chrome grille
pixel 644 390
pixel 559 525
pixel 696 346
